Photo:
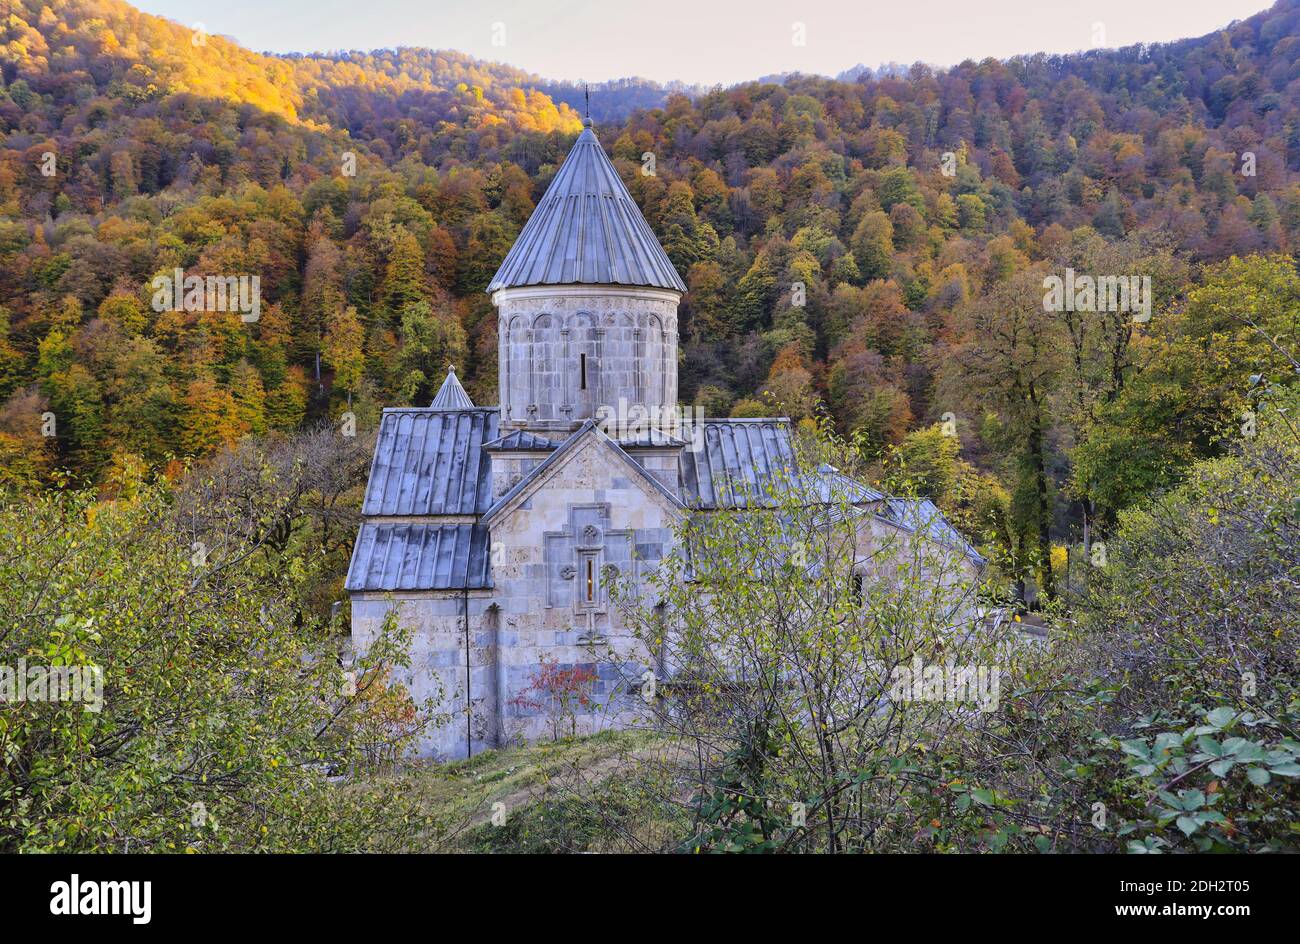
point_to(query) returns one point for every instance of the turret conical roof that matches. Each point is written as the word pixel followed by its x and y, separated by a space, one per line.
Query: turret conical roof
pixel 587 230
pixel 451 395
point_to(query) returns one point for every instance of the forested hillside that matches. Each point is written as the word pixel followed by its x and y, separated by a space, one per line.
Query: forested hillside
pixel 374 195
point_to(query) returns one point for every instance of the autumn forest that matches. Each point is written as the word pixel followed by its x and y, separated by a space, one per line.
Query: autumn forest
pixel 866 256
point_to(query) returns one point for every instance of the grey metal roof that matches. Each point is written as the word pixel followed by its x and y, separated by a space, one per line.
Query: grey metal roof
pixel 565 448
pixel 828 485
pixel 587 230
pixel 431 462
pixel 522 441
pixel 737 461
pixel 391 556
pixel 651 439
pixel 923 515
pixel 451 395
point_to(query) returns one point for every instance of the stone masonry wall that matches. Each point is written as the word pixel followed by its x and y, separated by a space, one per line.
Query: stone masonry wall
pixel 627 338
pixel 593 510
pixel 593 519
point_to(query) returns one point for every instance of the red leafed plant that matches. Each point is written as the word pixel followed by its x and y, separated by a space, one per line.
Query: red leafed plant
pixel 559 692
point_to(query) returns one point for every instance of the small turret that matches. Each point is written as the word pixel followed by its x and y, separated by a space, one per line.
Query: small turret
pixel 451 395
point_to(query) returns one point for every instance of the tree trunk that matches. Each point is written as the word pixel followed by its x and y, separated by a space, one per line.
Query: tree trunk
pixel 1044 510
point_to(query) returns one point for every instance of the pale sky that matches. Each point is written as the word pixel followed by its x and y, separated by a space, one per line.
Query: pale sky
pixel 705 41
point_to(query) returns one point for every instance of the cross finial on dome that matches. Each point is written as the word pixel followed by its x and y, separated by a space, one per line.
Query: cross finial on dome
pixel 587 231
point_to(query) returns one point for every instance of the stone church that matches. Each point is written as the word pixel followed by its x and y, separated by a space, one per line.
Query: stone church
pixel 494 531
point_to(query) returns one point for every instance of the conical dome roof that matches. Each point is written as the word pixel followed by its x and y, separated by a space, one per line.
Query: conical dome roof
pixel 451 395
pixel 587 230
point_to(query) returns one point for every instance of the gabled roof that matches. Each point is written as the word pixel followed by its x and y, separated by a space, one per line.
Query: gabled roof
pixel 587 231
pixel 828 485
pixel 651 439
pixel 923 516
pixel 566 448
pixel 451 395
pixel 737 460
pixel 408 556
pixel 431 462
pixel 522 441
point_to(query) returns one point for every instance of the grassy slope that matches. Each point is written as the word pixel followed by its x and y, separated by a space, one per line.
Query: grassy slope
pixel 547 790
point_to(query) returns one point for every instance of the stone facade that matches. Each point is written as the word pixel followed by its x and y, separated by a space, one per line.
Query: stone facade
pixel 445 667
pixel 566 351
pixel 494 533
pixel 557 542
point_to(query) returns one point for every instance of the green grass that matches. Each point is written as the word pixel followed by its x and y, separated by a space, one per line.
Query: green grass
pixel 549 790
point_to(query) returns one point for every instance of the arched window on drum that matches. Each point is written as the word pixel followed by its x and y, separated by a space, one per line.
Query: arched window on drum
pixel 583 365
pixel 653 351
